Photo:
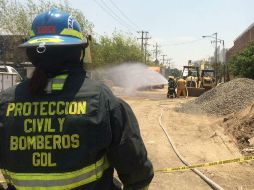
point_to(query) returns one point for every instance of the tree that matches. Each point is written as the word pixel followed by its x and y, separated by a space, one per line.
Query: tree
pixel 115 50
pixel 175 72
pixel 16 18
pixel 242 64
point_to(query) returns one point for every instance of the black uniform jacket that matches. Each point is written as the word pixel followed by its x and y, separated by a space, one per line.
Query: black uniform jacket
pixel 71 139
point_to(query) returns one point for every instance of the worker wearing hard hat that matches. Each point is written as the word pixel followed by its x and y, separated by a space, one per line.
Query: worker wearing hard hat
pixel 171 87
pixel 181 88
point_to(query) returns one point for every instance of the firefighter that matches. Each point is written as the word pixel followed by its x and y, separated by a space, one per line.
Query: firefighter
pixel 61 130
pixel 171 87
pixel 181 88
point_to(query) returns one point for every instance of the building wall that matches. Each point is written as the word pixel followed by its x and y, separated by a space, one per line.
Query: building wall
pixel 9 51
pixel 241 42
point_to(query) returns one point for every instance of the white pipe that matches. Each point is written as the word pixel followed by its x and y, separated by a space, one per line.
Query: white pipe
pixel 214 185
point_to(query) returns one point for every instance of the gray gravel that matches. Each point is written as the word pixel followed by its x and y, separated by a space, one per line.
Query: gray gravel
pixel 224 99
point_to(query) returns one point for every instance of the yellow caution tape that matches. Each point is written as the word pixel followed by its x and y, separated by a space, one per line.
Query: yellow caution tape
pixel 242 159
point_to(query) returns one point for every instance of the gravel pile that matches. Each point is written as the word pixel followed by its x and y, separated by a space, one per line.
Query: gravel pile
pixel 224 99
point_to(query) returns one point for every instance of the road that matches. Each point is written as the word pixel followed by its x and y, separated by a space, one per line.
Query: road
pixel 199 139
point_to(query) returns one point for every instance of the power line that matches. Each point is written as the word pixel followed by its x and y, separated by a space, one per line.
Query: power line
pixel 116 15
pixel 123 14
pixel 111 13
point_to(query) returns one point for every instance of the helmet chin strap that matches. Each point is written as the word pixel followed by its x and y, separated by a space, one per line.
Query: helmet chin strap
pixel 82 56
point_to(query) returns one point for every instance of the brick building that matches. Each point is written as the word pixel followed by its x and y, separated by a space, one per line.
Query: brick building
pixel 241 42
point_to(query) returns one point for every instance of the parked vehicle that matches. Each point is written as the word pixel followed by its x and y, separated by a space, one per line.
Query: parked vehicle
pixel 8 77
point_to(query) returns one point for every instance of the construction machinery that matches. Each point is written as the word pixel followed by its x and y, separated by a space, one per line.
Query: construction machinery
pixel 208 79
pixel 191 75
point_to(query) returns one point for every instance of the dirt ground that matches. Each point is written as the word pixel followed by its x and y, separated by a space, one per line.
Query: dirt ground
pixel 241 127
pixel 199 139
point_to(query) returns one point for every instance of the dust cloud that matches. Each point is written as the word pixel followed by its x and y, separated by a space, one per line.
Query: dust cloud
pixel 129 77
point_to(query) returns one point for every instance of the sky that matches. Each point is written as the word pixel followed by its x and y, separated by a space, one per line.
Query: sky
pixel 177 26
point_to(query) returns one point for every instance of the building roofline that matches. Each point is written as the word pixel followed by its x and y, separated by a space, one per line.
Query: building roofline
pixel 246 30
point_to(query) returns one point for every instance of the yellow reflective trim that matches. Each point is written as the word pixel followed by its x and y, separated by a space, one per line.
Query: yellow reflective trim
pixel 57 86
pixel 61 76
pixel 4 173
pixel 86 181
pixel 71 32
pixel 58 176
pixel 46 40
pixel 103 163
pixel 31 33
pixel 66 187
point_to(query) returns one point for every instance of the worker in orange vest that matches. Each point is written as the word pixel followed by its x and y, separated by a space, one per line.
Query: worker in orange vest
pixel 181 88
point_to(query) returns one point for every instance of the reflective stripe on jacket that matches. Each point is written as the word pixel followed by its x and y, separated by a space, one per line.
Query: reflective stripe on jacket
pixel 56 181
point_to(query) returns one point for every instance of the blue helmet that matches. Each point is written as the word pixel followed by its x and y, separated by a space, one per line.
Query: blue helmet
pixel 55 28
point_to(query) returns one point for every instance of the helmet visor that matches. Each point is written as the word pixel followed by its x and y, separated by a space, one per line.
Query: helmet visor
pixel 49 40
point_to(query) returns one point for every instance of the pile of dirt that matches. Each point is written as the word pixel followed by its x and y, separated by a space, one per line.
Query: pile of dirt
pixel 224 99
pixel 241 127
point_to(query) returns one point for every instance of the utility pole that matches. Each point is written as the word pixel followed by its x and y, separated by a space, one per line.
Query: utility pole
pixel 144 39
pixel 156 53
pixel 163 58
pixel 168 63
pixel 223 60
pixel 145 47
pixel 216 70
pixel 169 66
pixel 146 44
pixel 216 52
pixel 216 56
